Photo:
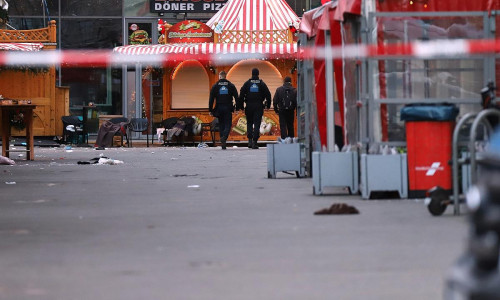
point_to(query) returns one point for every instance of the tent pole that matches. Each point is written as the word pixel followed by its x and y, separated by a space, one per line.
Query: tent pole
pixel 330 98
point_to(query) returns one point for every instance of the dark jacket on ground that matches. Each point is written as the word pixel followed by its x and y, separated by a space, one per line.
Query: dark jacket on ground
pixel 107 131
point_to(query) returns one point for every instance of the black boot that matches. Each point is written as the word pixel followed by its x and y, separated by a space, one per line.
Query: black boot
pixel 250 144
pixel 223 142
pixel 255 145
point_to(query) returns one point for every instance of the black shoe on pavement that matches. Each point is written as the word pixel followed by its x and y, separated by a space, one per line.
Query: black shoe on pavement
pixel 223 145
pixel 255 145
pixel 250 144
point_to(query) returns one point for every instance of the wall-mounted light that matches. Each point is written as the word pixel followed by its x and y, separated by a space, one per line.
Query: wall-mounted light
pixel 212 69
pixel 425 3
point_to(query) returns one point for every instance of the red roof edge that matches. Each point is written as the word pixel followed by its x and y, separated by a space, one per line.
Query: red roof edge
pixel 315 19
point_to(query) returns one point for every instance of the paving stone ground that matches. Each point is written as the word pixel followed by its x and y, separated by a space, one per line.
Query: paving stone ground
pixel 190 223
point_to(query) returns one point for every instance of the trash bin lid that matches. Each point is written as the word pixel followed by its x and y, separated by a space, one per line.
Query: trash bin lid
pixel 429 112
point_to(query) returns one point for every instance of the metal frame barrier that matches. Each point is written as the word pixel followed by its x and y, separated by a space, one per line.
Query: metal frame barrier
pixel 440 199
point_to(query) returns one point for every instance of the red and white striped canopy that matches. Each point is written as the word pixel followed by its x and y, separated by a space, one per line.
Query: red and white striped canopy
pixel 208 49
pixel 21 46
pixel 255 15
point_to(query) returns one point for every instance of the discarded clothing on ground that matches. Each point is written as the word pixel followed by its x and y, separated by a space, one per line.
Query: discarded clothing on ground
pixel 109 161
pixel 91 161
pixel 338 209
pixel 159 133
pixel 183 127
pixel 177 130
pixel 107 131
pixel 102 160
pixel 6 161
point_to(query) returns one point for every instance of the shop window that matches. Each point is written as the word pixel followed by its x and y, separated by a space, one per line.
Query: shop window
pixel 91 8
pixel 91 33
pixel 190 86
pixel 33 8
pixel 299 6
pixel 141 8
pixel 157 94
pixel 100 86
pixel 140 33
pixel 315 3
pixel 27 23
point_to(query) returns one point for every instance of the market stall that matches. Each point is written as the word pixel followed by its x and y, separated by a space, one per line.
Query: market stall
pixel 328 96
pixel 371 90
pixel 187 79
pixel 36 84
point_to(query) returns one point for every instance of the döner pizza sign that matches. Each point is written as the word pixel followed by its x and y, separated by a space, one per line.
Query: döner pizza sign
pixel 190 31
pixel 186 6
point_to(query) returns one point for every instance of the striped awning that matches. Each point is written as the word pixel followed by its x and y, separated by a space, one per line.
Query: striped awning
pixel 319 18
pixel 255 15
pixel 209 48
pixel 21 46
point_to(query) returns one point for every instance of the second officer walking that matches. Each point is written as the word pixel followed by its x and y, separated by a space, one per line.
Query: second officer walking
pixel 253 93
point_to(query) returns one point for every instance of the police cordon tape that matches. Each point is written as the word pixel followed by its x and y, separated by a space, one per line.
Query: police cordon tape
pixel 102 58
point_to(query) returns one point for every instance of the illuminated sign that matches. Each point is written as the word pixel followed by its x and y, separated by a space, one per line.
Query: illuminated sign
pixel 186 6
pixel 190 31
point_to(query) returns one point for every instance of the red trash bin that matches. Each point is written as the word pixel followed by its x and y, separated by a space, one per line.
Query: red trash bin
pixel 429 131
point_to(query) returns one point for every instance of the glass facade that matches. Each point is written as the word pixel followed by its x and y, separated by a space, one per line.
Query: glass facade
pixel 91 8
pixel 27 23
pixel 90 33
pixel 397 81
pixel 139 8
pixel 95 24
pixel 33 8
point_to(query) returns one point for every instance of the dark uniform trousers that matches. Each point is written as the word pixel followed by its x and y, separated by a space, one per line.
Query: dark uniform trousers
pixel 225 120
pixel 254 113
pixel 286 118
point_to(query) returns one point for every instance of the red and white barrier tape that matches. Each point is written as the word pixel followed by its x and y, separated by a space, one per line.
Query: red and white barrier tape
pixel 102 58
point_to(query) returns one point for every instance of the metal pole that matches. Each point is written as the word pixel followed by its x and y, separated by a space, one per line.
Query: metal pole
pixel 472 142
pixel 330 98
pixel 43 11
pixel 454 159
pixel 151 100
pixel 138 91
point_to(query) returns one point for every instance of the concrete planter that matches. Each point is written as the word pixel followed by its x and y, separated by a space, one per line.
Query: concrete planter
pixel 285 158
pixel 384 173
pixel 335 169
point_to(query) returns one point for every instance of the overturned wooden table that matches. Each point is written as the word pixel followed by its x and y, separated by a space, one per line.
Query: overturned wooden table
pixel 27 111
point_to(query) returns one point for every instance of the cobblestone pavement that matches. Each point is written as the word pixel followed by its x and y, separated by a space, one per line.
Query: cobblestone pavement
pixel 189 223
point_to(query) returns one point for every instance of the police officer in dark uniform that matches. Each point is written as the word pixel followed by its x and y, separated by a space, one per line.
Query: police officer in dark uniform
pixel 253 93
pixel 223 92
